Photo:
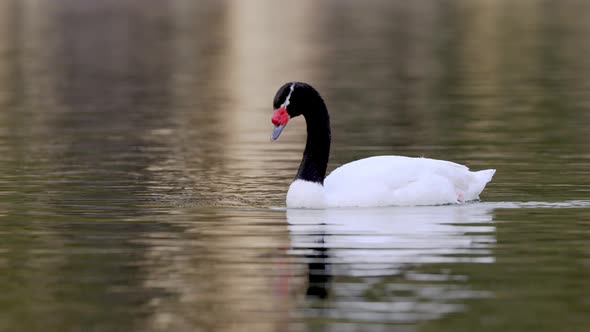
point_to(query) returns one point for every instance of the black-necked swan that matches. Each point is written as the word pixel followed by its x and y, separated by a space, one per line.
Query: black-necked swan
pixel 370 182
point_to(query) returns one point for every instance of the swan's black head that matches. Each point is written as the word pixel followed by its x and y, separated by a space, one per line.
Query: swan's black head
pixel 293 99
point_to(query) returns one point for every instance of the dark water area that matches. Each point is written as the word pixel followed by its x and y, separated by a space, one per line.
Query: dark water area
pixel 139 190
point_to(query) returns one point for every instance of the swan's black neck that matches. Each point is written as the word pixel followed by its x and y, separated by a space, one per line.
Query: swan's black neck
pixel 317 149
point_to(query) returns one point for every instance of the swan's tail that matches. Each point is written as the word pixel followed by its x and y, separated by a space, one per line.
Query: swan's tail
pixel 481 178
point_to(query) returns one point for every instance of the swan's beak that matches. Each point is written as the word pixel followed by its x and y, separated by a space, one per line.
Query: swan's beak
pixel 276 132
pixel 279 118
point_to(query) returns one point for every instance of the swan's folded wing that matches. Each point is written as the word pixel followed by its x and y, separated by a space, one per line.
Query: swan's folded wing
pixel 397 180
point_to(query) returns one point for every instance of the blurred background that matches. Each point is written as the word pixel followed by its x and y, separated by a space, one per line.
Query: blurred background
pixel 139 189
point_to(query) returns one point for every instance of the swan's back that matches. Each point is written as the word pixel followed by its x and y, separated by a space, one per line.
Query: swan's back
pixel 397 180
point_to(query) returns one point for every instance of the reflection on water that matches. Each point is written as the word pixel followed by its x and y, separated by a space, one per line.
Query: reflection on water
pixel 136 172
pixel 364 261
pixel 226 270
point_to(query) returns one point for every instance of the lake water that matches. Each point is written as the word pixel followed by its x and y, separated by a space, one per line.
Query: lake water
pixel 139 190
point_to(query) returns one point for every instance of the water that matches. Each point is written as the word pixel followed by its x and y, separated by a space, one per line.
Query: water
pixel 140 192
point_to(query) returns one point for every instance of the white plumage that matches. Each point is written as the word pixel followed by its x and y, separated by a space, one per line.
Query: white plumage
pixel 391 181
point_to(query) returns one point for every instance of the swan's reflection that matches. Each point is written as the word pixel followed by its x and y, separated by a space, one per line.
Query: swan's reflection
pixel 319 275
pixel 390 264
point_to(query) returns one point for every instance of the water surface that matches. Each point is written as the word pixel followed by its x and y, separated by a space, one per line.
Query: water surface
pixel 139 190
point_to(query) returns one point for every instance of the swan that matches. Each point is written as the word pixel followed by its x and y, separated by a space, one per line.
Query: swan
pixel 371 182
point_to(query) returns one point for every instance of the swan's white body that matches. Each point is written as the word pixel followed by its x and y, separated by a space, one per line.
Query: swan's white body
pixel 391 181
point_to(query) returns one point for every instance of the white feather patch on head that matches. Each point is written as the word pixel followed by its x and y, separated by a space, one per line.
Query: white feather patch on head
pixel 288 99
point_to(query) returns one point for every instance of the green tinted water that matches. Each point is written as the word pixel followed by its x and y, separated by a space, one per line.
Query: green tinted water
pixel 139 190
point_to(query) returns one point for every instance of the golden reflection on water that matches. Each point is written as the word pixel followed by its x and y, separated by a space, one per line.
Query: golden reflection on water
pixel 225 272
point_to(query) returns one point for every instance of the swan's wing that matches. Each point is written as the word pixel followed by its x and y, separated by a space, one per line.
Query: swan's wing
pixel 395 171
pixel 396 180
